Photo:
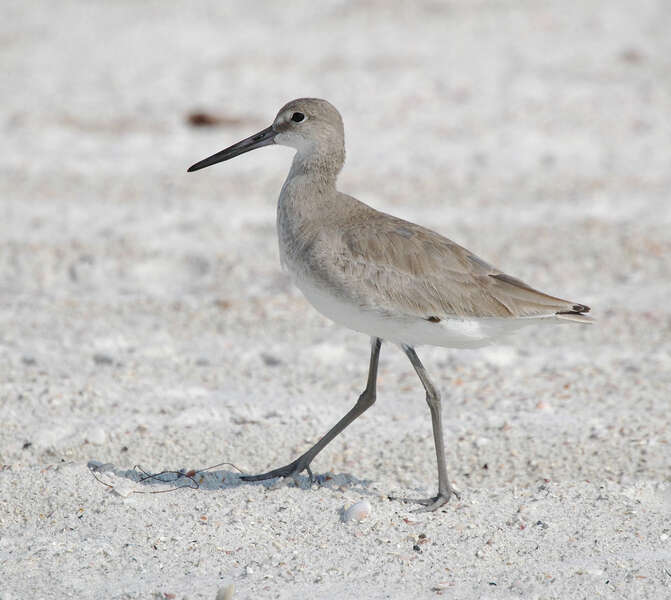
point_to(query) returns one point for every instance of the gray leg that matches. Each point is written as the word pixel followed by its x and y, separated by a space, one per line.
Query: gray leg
pixel 445 490
pixel 365 401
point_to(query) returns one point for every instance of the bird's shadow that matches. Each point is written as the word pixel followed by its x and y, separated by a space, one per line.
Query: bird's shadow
pixel 140 481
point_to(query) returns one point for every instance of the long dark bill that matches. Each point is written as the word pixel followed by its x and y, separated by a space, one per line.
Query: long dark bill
pixel 258 140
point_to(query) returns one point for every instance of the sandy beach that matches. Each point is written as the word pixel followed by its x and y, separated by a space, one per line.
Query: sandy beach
pixel 146 324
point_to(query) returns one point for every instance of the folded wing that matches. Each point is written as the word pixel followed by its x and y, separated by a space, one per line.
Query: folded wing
pixel 391 265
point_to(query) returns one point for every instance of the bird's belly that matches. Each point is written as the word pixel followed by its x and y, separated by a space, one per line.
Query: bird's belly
pixel 402 329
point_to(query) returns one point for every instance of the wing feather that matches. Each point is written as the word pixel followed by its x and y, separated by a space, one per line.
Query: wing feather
pixel 390 265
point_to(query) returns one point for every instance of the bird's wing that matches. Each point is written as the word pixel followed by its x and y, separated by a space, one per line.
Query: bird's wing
pixel 391 265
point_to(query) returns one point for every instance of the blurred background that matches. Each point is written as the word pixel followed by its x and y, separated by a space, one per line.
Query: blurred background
pixel 144 318
pixel 535 133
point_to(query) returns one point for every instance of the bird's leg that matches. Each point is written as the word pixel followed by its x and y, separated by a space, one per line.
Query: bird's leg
pixel 445 490
pixel 365 401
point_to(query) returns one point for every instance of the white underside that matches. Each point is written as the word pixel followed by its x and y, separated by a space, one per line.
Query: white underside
pixel 454 332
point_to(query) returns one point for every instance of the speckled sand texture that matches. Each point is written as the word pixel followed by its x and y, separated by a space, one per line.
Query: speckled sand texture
pixel 144 319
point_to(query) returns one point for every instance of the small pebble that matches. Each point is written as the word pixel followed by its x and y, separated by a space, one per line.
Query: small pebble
pixel 96 435
pixel 357 512
pixel 226 593
pixel 270 360
pixel 102 359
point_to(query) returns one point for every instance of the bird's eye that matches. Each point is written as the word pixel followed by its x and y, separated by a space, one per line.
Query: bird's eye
pixel 297 117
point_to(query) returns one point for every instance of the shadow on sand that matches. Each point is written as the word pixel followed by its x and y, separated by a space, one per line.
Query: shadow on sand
pixel 139 481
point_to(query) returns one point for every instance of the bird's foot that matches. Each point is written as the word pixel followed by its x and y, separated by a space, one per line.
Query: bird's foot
pixel 291 470
pixel 431 504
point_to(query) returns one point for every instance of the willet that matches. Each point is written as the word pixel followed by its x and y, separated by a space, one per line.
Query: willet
pixel 380 275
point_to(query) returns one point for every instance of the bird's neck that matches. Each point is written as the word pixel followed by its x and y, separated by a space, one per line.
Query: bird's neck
pixel 318 169
pixel 307 198
pixel 306 192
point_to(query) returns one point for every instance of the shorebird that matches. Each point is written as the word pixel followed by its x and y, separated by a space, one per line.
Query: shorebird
pixel 375 273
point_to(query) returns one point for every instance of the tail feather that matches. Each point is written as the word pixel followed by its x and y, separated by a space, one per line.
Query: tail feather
pixel 576 314
pixel 528 301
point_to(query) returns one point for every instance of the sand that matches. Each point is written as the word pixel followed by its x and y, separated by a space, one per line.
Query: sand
pixel 144 318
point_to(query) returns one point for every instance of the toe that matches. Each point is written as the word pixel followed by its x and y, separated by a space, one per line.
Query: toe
pixel 433 504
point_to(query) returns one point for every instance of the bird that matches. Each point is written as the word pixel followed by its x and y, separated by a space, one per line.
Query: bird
pixel 386 277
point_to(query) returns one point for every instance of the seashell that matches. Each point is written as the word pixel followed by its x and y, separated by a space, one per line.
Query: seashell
pixel 357 512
